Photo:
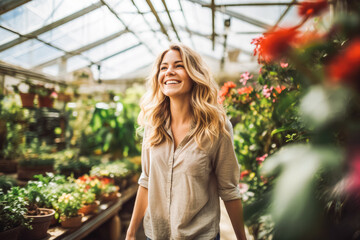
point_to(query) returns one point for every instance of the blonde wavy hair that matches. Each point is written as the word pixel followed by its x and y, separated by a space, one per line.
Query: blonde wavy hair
pixel 209 115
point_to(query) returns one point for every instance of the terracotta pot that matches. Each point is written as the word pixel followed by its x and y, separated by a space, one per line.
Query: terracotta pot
pixel 11 234
pixel 107 197
pixel 8 166
pixel 27 172
pixel 27 99
pixel 90 208
pixel 64 97
pixel 40 225
pixel 71 222
pixel 46 101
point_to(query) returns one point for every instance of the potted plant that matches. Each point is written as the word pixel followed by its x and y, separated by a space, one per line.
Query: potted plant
pixel 110 191
pixel 91 184
pixel 68 205
pixel 12 211
pixel 27 91
pixel 40 217
pixel 46 96
pixel 89 204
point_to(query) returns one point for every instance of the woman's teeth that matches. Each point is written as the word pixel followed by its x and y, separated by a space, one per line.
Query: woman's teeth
pixel 171 82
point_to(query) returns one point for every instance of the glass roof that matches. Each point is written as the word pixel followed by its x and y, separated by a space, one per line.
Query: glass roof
pixel 116 38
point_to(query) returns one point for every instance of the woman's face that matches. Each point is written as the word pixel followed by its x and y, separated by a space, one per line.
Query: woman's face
pixel 173 79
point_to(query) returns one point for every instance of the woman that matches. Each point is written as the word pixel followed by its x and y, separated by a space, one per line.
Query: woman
pixel 188 158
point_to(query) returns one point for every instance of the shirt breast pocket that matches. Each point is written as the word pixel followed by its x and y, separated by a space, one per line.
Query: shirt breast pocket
pixel 195 163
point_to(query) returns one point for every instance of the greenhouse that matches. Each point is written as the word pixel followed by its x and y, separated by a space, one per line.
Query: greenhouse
pixel 181 119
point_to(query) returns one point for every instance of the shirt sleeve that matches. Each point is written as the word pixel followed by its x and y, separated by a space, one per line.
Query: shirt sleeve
pixel 145 164
pixel 226 167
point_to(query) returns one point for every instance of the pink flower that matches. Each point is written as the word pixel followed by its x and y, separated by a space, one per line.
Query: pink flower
pixel 284 65
pixel 245 77
pixel 267 91
pixel 243 187
pixel 262 158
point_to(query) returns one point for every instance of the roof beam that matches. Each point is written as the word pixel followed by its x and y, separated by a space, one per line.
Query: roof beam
pixel 251 4
pixel 117 53
pixel 217 41
pixel 82 49
pixel 7 5
pixel 163 29
pixel 171 21
pixel 126 27
pixel 238 16
pixel 46 43
pixel 49 27
pixel 212 6
pixel 283 14
pixel 186 23
pixel 147 23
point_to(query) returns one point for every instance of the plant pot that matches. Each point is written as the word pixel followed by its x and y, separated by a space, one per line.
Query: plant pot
pixel 71 222
pixel 90 208
pixel 107 197
pixel 64 97
pixel 46 101
pixel 11 234
pixel 54 221
pixel 40 225
pixel 8 166
pixel 27 99
pixel 27 172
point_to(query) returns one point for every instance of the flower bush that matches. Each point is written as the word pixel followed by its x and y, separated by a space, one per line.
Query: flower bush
pixel 68 204
pixel 312 172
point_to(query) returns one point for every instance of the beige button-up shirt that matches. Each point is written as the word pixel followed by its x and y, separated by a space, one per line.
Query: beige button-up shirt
pixel 184 185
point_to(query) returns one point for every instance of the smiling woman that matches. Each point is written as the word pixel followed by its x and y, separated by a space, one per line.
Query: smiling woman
pixel 188 159
pixel 173 79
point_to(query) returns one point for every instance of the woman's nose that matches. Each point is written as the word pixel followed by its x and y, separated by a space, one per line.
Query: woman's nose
pixel 169 71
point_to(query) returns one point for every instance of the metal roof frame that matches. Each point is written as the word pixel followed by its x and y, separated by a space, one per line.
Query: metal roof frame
pixel 49 27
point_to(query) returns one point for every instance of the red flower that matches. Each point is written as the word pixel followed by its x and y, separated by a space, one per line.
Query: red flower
pixel 245 90
pixel 273 45
pixel 226 88
pixel 312 8
pixel 346 66
pixel 279 89
pixel 224 91
pixel 244 174
pixel 221 99
pixel 230 85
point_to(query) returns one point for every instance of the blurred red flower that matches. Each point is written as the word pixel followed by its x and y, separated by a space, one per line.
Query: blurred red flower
pixel 230 85
pixel 279 89
pixel 346 66
pixel 273 45
pixel 244 174
pixel 312 8
pixel 226 88
pixel 245 90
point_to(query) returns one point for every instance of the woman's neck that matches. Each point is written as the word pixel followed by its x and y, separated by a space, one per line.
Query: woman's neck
pixel 181 113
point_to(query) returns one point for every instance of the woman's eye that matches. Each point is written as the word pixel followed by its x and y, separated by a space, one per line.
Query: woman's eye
pixel 179 66
pixel 163 68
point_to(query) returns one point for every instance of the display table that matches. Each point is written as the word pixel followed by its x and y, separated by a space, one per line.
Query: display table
pixel 107 211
